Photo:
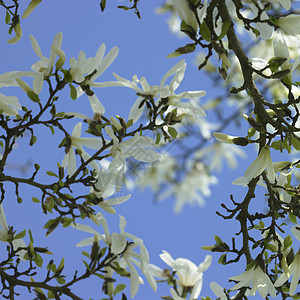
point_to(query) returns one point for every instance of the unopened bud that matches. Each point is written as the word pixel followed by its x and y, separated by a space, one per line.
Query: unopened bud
pixel 224 138
pixel 18 31
pixel 115 123
pixel 32 5
pixel 240 141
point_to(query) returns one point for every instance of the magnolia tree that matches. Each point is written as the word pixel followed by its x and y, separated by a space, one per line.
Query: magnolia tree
pixel 250 49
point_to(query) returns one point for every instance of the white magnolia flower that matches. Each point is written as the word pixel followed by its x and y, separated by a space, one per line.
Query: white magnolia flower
pixel 4 236
pixel 86 71
pixel 44 66
pixel 294 269
pixel 189 275
pixel 106 187
pixel 9 105
pixel 192 188
pixel 262 162
pixel 290 24
pixel 258 279
pixel 78 142
pixel 162 91
pixel 218 152
pixel 136 147
pixel 168 90
pixel 123 250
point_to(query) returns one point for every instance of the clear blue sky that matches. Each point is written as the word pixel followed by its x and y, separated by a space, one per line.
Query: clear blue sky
pixel 144 45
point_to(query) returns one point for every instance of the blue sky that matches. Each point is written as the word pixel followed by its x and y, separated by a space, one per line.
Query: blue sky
pixel 144 45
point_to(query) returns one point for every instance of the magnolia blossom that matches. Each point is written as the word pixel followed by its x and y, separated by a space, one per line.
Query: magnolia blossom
pixel 32 5
pixel 218 152
pixel 5 237
pixel 104 188
pixel 44 66
pixel 9 105
pixel 78 142
pixel 224 138
pixel 189 275
pixel 168 90
pixel 290 24
pixel 136 147
pixel 258 279
pixel 86 71
pixel 262 162
pixel 294 269
pixel 124 250
pixel 162 91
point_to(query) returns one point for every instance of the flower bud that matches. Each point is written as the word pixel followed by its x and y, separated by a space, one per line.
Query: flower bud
pixel 32 5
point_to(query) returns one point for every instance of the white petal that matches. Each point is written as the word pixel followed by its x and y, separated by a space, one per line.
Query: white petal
pixel 96 105
pixel 296 231
pixel 85 242
pixel 181 65
pixel 36 47
pixel 118 243
pixel 106 62
pixel 38 82
pixel 167 258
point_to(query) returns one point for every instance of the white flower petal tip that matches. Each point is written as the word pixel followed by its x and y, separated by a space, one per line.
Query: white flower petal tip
pixel 188 273
pixel 263 161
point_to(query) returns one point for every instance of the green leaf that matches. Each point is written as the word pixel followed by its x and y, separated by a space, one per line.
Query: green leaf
pixel 73 92
pixel 67 222
pixel 86 264
pixel 38 260
pixel 20 235
pixel 32 140
pixel 277 145
pixel 287 242
pixel 30 235
pixel 49 223
pixel 222 259
pixel 205 32
pixel 218 240
pixel 50 173
pixel 33 96
pixel 52 129
pixel 172 131
pixel 85 254
pixel 60 280
pixel 51 295
pixel 119 288
pixel 271 247
pixel 129 123
pixel 157 140
pixel 295 143
pixel 293 218
pixel 225 27
pixel 68 76
pixel 7 17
